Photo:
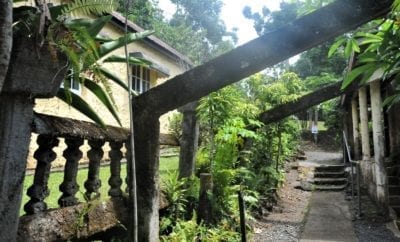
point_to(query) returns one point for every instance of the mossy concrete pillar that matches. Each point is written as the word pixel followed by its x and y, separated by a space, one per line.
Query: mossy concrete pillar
pixel 379 142
pixel 189 140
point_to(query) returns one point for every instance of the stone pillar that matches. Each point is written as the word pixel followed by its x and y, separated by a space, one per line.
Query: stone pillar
pixel 28 77
pixel 147 132
pixel 189 140
pixel 95 154
pixel 69 187
pixel 364 132
pixel 379 141
pixel 356 133
pixel 16 112
pixel 115 180
pixel 39 190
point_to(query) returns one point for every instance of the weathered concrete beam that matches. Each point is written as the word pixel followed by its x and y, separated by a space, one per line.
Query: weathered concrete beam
pixel 254 56
pixel 71 128
pixel 321 95
pixel 79 221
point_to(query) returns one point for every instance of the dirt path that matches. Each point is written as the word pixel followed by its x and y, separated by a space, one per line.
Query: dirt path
pixel 286 221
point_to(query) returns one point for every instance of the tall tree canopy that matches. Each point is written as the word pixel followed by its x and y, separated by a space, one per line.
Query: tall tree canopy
pixel 314 62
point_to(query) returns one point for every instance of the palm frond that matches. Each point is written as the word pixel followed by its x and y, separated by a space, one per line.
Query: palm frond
pixel 86 7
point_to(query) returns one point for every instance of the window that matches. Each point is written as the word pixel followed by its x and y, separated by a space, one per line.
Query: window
pixel 70 82
pixel 140 78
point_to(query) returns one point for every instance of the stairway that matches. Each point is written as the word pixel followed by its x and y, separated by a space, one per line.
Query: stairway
pixel 392 171
pixel 330 177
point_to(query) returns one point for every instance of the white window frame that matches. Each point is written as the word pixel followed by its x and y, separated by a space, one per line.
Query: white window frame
pixel 140 78
pixel 75 85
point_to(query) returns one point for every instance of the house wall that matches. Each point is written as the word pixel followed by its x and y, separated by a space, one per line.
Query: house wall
pixel 56 107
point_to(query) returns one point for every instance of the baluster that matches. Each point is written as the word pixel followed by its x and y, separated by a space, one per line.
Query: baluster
pixel 115 180
pixel 39 190
pixel 69 187
pixel 95 154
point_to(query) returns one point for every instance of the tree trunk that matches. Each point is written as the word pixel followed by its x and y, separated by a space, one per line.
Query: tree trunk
pixel 302 34
pixel 362 96
pixel 5 38
pixel 379 141
pixel 189 140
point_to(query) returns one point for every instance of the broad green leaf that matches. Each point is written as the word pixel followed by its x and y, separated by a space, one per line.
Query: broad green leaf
pixel 99 92
pixel 335 46
pixel 131 60
pixel 366 57
pixel 369 41
pixel 348 48
pixel 81 105
pixel 113 45
pixel 354 46
pixel 353 74
pixel 92 26
pixel 116 79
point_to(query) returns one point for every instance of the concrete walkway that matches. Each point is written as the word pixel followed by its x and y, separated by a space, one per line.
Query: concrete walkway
pixel 329 219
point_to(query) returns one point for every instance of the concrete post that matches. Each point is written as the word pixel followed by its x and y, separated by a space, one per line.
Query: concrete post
pixel 364 132
pixel 379 141
pixel 147 132
pixel 16 112
pixel 27 77
pixel 189 140
pixel 356 133
pixel 204 212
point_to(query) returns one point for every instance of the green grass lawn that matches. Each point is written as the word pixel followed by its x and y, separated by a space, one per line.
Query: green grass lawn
pixel 167 164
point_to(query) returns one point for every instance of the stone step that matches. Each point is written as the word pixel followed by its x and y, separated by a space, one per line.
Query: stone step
pixel 330 181
pixel 329 187
pixel 394 190
pixel 394 200
pixel 330 174
pixel 330 168
pixel 393 180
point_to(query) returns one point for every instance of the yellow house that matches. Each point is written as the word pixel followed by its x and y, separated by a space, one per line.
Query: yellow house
pixel 166 63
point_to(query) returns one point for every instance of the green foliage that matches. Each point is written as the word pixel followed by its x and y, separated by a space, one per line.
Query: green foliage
pixel 175 125
pixel 377 46
pixel 191 231
pixel 174 191
pixel 87 7
pixel 77 39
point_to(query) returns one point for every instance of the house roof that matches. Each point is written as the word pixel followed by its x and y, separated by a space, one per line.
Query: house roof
pixel 152 40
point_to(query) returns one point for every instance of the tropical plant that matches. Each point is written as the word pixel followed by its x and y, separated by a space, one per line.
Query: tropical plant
pixel 86 50
pixel 376 47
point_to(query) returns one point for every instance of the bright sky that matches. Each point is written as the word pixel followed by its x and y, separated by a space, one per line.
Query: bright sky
pixel 232 15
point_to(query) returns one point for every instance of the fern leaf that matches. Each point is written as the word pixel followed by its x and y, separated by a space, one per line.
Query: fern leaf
pixel 86 7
